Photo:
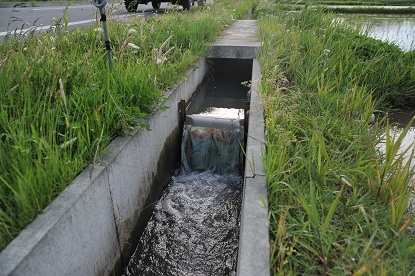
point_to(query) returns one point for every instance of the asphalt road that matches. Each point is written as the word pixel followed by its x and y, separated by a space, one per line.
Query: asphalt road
pixel 21 19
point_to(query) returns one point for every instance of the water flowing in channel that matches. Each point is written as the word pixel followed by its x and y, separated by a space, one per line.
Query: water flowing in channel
pixel 213 149
pixel 194 229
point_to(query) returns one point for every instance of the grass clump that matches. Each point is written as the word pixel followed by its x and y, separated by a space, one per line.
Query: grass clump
pixel 60 106
pixel 337 205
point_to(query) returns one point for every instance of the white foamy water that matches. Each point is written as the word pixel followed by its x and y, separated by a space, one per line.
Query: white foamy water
pixel 194 229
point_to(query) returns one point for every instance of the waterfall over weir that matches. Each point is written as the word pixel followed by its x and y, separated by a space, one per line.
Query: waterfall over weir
pixel 212 144
pixel 194 229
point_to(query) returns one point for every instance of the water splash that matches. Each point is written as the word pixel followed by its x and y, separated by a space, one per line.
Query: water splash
pixel 194 229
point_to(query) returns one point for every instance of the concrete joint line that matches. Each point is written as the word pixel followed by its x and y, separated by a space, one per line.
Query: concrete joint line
pixel 116 218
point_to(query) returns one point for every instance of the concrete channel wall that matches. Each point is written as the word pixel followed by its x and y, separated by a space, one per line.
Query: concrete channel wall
pixel 254 248
pixel 87 229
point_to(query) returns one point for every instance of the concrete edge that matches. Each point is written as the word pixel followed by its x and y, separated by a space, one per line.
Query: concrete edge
pixel 254 247
pixel 82 231
pixel 239 41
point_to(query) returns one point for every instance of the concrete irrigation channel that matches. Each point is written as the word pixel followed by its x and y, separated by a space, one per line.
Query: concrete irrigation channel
pixel 93 227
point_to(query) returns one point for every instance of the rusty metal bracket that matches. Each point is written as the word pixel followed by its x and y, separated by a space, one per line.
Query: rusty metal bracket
pixel 182 114
pixel 246 121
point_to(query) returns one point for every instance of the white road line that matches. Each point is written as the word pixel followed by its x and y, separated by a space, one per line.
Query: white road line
pixel 42 28
pixel 34 28
pixel 61 8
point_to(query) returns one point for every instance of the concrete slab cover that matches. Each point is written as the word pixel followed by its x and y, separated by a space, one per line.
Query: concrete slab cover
pixel 240 33
pixel 239 41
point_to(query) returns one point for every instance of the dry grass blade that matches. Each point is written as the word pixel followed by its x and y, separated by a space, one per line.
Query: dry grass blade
pixel 124 46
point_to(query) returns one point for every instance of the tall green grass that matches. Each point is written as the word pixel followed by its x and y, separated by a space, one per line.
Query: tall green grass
pixel 60 105
pixel 337 205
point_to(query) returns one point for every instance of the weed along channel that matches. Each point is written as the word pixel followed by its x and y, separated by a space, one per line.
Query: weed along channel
pixel 186 197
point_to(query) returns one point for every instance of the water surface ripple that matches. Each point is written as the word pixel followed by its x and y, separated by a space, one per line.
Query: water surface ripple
pixel 194 229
